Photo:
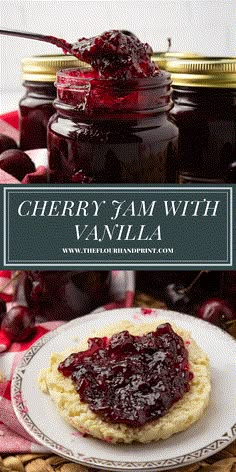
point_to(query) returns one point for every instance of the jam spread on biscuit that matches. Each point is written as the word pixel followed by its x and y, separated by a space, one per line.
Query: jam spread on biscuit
pixel 131 379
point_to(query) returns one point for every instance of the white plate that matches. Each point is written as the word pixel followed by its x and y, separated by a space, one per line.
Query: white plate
pixel 213 432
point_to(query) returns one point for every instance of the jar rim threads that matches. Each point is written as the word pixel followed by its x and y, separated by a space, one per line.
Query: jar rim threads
pixel 79 89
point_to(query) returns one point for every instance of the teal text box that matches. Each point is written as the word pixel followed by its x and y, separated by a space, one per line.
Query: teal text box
pixel 125 226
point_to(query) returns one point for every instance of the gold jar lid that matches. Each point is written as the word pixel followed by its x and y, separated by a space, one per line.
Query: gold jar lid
pixel 162 59
pixel 44 68
pixel 210 72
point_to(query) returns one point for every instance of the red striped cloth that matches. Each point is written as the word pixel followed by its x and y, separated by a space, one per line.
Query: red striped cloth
pixel 13 437
pixel 9 124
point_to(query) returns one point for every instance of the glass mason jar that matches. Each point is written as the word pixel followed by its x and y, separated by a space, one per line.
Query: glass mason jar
pixel 36 106
pixel 62 295
pixel 112 130
pixel 205 112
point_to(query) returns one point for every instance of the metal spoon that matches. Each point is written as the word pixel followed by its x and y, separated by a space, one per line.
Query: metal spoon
pixel 61 43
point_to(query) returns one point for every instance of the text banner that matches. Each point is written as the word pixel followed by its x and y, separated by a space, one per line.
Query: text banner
pixel 125 226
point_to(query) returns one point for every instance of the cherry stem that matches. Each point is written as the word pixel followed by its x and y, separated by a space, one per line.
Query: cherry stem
pixel 230 323
pixel 169 44
pixel 15 276
pixel 186 289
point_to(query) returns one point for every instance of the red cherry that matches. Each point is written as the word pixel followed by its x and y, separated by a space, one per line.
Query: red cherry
pixel 16 163
pixel 18 323
pixel 216 311
pixel 177 298
pixel 6 143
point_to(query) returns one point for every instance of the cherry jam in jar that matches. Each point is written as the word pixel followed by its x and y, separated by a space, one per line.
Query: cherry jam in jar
pixel 36 106
pixel 205 112
pixel 112 130
pixel 63 295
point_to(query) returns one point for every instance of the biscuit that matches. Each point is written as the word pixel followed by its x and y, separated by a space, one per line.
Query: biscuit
pixel 179 417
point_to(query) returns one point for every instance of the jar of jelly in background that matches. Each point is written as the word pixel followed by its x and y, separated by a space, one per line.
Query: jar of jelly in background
pixel 112 130
pixel 62 295
pixel 205 112
pixel 36 106
pixel 162 59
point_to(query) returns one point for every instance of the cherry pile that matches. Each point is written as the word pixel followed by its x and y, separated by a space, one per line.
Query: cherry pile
pixel 131 379
pixel 18 323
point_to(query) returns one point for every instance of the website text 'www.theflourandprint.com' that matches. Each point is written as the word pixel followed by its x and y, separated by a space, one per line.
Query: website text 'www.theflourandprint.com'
pixel 118 250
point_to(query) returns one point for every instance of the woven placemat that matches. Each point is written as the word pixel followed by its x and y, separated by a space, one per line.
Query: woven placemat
pixel 223 461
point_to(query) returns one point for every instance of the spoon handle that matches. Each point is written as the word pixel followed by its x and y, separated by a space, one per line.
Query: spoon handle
pixel 40 37
pixel 23 34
